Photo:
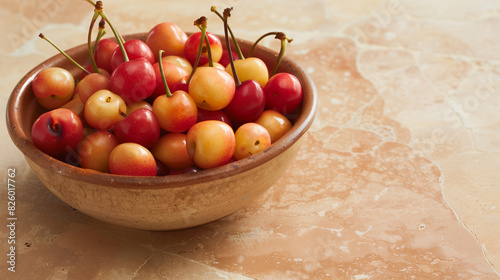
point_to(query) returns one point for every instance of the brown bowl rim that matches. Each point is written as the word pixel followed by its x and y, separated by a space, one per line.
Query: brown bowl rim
pixel 26 146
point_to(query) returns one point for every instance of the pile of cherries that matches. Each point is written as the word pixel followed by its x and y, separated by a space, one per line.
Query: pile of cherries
pixel 170 104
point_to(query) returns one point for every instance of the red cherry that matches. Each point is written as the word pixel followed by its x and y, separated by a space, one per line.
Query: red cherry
pixel 176 113
pixel 247 104
pixel 57 132
pixel 140 127
pixel 224 60
pixel 135 48
pixel 192 44
pixel 133 80
pixel 283 93
pixel 103 53
pixel 219 115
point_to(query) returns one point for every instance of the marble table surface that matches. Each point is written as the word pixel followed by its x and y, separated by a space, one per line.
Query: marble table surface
pixel 398 177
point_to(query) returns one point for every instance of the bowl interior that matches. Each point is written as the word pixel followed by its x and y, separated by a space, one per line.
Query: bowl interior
pixel 23 109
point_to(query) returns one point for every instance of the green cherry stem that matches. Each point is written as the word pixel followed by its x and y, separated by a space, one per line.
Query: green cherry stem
pixel 227 13
pixel 284 40
pixel 202 24
pixel 209 50
pixel 119 38
pixel 236 45
pixel 89 40
pixel 160 64
pixel 63 53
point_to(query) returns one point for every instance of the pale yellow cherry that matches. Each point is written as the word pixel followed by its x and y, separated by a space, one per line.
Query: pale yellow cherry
pixel 250 139
pixel 211 88
pixel 104 109
pixel 251 68
pixel 275 123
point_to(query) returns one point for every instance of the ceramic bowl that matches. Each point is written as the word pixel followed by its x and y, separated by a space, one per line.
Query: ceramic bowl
pixel 166 202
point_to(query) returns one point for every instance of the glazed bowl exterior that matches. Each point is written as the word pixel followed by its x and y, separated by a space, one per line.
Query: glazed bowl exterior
pixel 162 202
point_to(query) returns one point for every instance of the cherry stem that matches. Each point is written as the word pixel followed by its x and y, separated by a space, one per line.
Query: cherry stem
pixel 89 41
pixel 63 53
pixel 202 24
pixel 236 45
pixel 227 13
pixel 160 64
pixel 209 50
pixel 100 33
pixel 284 41
pixel 119 38
pixel 280 36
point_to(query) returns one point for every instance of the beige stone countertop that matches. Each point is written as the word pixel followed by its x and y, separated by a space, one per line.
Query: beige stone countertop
pixel 398 177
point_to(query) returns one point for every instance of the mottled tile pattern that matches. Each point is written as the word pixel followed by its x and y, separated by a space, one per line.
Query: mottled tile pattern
pixel 398 177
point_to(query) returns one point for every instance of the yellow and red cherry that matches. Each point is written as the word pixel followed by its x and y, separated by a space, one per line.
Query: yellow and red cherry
pixel 140 127
pixel 94 150
pixel 219 115
pixel 172 73
pixel 53 87
pixel 176 112
pixel 104 109
pixel 179 61
pixel 171 150
pixel 275 123
pixel 135 48
pixel 103 52
pixel 283 93
pixel 90 84
pixel 211 88
pixel 132 159
pixel 210 143
pixel 57 133
pixel 192 44
pixel 250 138
pixel 167 36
